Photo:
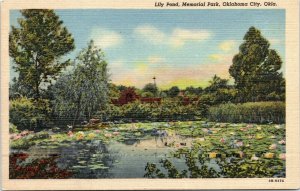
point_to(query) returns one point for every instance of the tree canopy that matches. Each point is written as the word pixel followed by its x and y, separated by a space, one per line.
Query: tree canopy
pixel 85 91
pixel 37 47
pixel 152 88
pixel 256 69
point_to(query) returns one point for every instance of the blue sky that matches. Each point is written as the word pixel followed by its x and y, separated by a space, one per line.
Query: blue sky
pixel 179 47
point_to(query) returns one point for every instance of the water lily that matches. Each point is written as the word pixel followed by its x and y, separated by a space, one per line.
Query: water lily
pixel 282 142
pixel 205 130
pixel 91 136
pixel 79 135
pixel 97 131
pixel 250 136
pixel 223 125
pixel 70 134
pixel 212 155
pixel 269 155
pixel 239 143
pixel 107 135
pixel 201 139
pixel 243 129
pixel 241 153
pixel 222 140
pixel 282 156
pixel 273 147
pixel 116 133
pixel 259 136
pixel 133 127
pixel 258 128
pixel 254 157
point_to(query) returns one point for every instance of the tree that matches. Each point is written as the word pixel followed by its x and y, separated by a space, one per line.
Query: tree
pixel 85 91
pixel 193 91
pixel 216 83
pixel 150 88
pixel 37 48
pixel 173 91
pixel 255 70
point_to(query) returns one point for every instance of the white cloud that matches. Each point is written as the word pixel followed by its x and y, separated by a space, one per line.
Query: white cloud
pixel 150 33
pixel 227 45
pixel 178 37
pixel 106 38
pixel 181 36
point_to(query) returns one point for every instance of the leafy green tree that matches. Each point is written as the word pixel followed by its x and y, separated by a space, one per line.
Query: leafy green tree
pixel 152 88
pixel 114 92
pixel 147 94
pixel 216 83
pixel 193 91
pixel 173 91
pixel 85 91
pixel 37 47
pixel 256 69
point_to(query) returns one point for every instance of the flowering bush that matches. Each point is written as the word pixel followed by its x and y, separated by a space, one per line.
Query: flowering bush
pixel 42 168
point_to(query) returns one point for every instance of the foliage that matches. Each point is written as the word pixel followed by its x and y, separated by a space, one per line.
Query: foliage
pixel 26 141
pixel 150 87
pixel 147 94
pixel 216 83
pixel 173 91
pixel 256 70
pixel 189 91
pixel 114 92
pixel 217 150
pixel 13 128
pixel 37 47
pixel 198 167
pixel 251 112
pixel 85 90
pixel 37 168
pixel 167 109
pixel 29 114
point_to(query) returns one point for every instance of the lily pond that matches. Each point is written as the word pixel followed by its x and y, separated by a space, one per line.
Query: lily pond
pixel 194 149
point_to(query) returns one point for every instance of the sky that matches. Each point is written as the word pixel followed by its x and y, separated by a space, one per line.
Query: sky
pixel 179 47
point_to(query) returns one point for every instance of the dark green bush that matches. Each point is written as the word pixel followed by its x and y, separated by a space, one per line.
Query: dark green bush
pixel 168 109
pixel 13 128
pixel 29 114
pixel 250 112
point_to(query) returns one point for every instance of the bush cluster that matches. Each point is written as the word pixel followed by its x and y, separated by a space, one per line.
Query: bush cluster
pixel 168 109
pixel 28 113
pixel 250 112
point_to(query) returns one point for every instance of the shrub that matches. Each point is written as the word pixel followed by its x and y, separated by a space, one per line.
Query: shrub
pixel 13 128
pixel 28 141
pixel 250 112
pixel 29 114
pixel 168 109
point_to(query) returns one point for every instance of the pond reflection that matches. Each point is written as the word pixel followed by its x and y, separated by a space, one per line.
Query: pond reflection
pixel 96 159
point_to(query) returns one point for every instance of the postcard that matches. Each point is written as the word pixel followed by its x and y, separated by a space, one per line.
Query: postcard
pixel 153 95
